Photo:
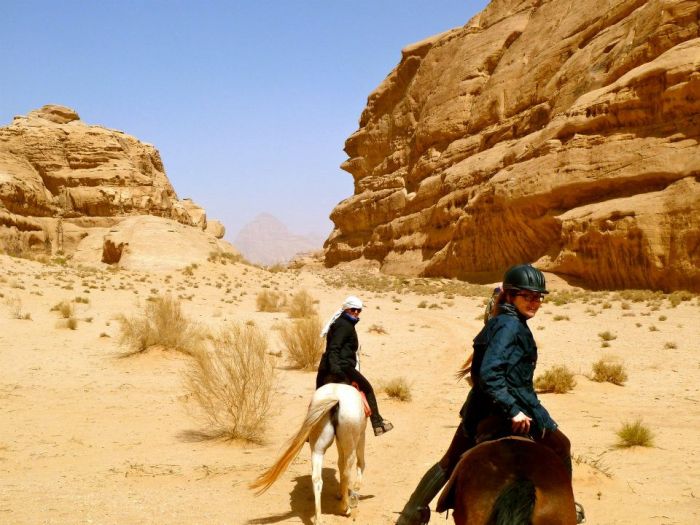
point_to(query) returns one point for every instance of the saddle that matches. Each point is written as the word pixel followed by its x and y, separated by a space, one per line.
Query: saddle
pixel 368 411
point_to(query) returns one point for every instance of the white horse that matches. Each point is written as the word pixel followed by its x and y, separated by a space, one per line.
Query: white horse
pixel 320 427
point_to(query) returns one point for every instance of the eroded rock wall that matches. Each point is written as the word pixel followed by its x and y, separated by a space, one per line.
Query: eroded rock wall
pixel 562 132
pixel 62 180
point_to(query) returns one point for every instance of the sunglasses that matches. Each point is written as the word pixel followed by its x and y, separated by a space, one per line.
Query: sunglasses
pixel 531 297
pixel 356 310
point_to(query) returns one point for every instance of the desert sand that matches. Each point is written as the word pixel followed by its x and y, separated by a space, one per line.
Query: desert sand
pixel 88 436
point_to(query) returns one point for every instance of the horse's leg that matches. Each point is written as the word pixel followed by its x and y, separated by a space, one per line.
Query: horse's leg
pixel 360 460
pixel 319 440
pixel 317 480
pixel 349 499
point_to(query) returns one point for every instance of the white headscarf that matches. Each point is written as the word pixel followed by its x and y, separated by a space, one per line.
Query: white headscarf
pixel 350 302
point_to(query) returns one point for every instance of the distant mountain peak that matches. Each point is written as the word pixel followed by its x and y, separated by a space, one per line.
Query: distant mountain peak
pixel 267 240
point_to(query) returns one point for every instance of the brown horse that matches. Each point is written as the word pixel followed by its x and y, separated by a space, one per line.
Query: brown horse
pixel 511 481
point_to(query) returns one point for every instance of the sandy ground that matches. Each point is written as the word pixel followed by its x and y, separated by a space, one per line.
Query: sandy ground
pixel 89 437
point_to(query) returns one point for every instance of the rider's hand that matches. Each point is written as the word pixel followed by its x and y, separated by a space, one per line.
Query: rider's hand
pixel 520 423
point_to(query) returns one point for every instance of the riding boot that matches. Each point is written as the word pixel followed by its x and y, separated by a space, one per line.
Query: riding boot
pixel 417 511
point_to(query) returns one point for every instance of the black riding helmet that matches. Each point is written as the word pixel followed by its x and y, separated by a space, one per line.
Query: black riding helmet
pixel 524 277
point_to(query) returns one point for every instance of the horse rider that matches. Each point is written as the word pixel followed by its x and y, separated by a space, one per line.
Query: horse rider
pixel 339 362
pixel 502 400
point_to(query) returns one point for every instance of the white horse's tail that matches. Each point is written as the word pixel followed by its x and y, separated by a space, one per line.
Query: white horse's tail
pixel 317 410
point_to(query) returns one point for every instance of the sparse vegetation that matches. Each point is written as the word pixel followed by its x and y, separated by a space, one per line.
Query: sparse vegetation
pixel 301 305
pixel 303 343
pixel 232 384
pixel 670 345
pixel 634 434
pixel 609 370
pixel 561 318
pixel 607 336
pixel 162 323
pixel 558 380
pixel 269 301
pixel 64 308
pixel 377 329
pixel 398 388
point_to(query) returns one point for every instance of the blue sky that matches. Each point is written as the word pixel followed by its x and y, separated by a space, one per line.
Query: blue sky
pixel 249 102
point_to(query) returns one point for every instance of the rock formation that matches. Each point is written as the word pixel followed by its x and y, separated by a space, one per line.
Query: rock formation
pixel 266 240
pixel 560 132
pixel 62 181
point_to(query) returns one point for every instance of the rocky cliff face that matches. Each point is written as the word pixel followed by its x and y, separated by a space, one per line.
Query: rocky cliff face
pixel 560 132
pixel 61 178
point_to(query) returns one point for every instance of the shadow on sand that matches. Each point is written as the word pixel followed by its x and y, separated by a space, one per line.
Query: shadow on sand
pixel 301 500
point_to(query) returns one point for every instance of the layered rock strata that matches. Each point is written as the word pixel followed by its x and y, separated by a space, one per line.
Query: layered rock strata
pixel 560 132
pixel 62 179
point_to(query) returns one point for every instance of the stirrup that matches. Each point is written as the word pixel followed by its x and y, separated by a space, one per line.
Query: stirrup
pixel 580 513
pixel 385 427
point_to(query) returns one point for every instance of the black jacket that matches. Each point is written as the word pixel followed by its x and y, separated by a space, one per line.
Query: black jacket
pixel 505 355
pixel 341 349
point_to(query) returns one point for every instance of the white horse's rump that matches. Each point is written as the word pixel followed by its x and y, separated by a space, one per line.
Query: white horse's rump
pixel 347 425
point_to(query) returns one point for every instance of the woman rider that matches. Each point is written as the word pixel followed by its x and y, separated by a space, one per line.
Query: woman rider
pixel 339 361
pixel 502 401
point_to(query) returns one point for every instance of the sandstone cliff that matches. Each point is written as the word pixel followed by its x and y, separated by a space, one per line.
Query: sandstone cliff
pixel 562 132
pixel 62 180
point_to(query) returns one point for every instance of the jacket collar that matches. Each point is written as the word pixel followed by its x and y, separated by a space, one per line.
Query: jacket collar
pixel 350 318
pixel 509 309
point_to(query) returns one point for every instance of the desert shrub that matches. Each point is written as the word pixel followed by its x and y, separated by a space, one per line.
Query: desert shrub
pixel 675 298
pixel 303 343
pixel 558 379
pixel 14 304
pixel 634 434
pixel 64 308
pixel 670 345
pixel 72 323
pixel 268 301
pixel 652 328
pixel 377 329
pixel 162 323
pixel 232 384
pixel 301 305
pixel 561 318
pixel 608 370
pixel 607 335
pixel 423 304
pixel 398 388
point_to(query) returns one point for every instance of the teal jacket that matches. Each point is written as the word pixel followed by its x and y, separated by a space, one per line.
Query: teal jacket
pixel 505 356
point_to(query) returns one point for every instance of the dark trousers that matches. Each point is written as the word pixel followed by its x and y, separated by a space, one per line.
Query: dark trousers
pixel 497 427
pixel 350 376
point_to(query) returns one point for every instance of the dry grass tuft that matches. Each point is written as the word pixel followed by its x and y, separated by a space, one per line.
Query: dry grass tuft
pixel 607 335
pixel 377 329
pixel 303 343
pixel 558 379
pixel 162 323
pixel 301 305
pixel 232 384
pixel 609 370
pixel 64 308
pixel 398 388
pixel 634 435
pixel 269 301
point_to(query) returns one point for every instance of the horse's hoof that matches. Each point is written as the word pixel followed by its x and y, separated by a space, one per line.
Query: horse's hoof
pixel 353 500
